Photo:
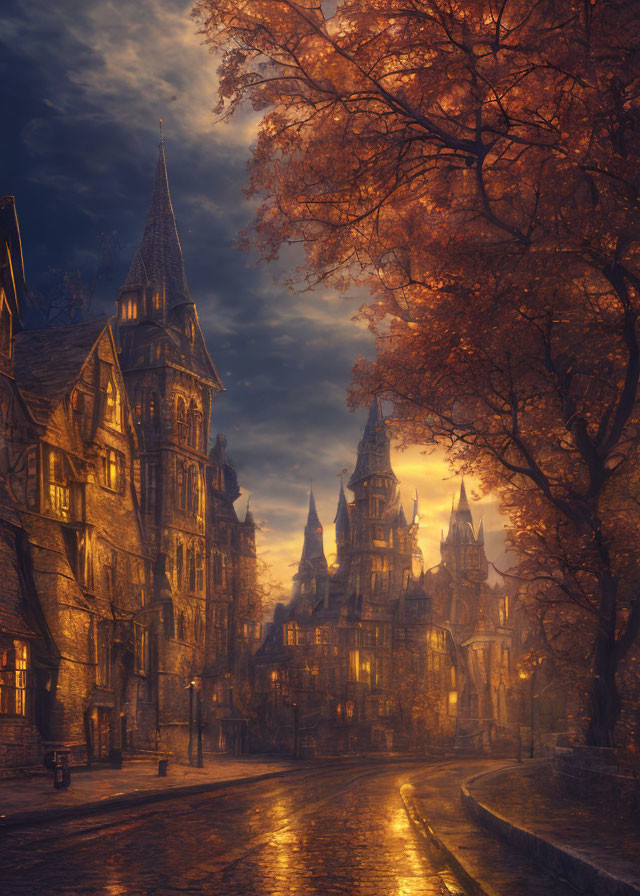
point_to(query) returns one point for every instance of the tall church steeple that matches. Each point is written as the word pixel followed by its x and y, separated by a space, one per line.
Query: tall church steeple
pixel 158 265
pixel 313 547
pixel 342 526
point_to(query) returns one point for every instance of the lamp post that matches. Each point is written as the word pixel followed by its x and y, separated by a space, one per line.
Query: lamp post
pixel 296 733
pixel 199 759
pixel 190 750
pixel 195 719
pixel 530 675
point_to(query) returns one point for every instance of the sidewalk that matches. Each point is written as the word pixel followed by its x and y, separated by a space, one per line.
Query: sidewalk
pixel 31 801
pixel 596 847
pixel 484 865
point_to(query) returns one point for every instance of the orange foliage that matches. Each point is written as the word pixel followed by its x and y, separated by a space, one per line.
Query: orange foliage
pixel 475 164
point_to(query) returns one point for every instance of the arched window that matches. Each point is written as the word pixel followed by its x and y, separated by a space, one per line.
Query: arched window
pixel 181 420
pixel 113 404
pixel 181 485
pixel 193 425
pixel 179 563
pixel 129 308
pixel 191 569
pixel 194 490
pixel 199 570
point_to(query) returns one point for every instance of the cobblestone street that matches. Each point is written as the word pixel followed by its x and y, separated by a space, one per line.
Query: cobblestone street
pixel 323 832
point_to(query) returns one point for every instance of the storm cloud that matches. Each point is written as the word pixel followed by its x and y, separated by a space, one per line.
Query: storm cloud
pixel 83 86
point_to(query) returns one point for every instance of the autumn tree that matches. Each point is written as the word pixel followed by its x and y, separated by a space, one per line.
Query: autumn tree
pixel 475 165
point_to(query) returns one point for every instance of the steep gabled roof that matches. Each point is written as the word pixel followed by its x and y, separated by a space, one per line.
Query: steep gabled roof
pixel 158 262
pixel 47 363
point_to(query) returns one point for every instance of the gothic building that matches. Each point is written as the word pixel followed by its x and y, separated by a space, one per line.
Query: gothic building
pixel 132 606
pixel 375 654
pixel 358 650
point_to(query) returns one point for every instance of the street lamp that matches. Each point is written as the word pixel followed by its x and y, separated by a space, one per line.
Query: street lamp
pixel 195 696
pixel 525 675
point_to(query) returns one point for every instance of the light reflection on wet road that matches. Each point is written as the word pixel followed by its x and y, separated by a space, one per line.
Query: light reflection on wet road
pixel 320 833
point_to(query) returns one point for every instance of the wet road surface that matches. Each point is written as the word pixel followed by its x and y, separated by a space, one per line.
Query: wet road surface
pixel 319 833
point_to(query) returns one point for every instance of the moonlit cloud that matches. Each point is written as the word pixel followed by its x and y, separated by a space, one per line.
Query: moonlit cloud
pixel 83 85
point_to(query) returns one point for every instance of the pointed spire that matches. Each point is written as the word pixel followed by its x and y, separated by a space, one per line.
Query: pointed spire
pixel 401 518
pixel 312 517
pixel 374 450
pixel 376 417
pixel 415 516
pixel 248 517
pixel 342 514
pixel 480 537
pixel 463 511
pixel 313 547
pixel 158 262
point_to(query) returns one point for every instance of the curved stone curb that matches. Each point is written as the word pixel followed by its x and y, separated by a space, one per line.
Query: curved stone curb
pixel 425 830
pixel 128 800
pixel 561 860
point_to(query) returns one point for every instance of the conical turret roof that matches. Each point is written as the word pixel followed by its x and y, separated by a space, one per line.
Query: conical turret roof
pixel 313 547
pixel 463 510
pixel 461 521
pixel 374 450
pixel 342 513
pixel 158 262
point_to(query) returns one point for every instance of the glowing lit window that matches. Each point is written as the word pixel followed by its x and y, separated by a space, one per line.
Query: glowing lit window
pixel 58 485
pixel 129 308
pixel 113 470
pixel 141 649
pixel 113 405
pixel 13 678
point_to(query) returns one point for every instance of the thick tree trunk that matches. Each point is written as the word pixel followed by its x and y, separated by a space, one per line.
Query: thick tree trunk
pixel 605 702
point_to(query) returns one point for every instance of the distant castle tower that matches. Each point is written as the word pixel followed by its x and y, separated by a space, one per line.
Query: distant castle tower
pixel 311 580
pixel 381 543
pixel 462 550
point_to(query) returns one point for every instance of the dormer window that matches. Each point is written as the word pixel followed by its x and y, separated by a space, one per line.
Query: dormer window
pixel 58 484
pixel 113 405
pixel 129 308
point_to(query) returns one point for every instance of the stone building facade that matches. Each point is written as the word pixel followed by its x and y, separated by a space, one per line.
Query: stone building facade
pixel 132 606
pixel 375 654
pixel 357 660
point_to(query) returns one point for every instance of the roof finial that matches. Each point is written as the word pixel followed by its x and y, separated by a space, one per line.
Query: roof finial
pixel 161 134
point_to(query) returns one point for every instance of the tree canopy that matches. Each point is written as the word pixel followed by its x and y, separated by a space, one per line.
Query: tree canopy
pixel 475 164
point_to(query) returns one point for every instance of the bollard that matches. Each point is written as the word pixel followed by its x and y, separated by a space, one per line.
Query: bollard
pixel 163 766
pixel 61 770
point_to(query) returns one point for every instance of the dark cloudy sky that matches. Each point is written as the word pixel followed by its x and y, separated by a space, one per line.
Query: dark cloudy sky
pixel 83 84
